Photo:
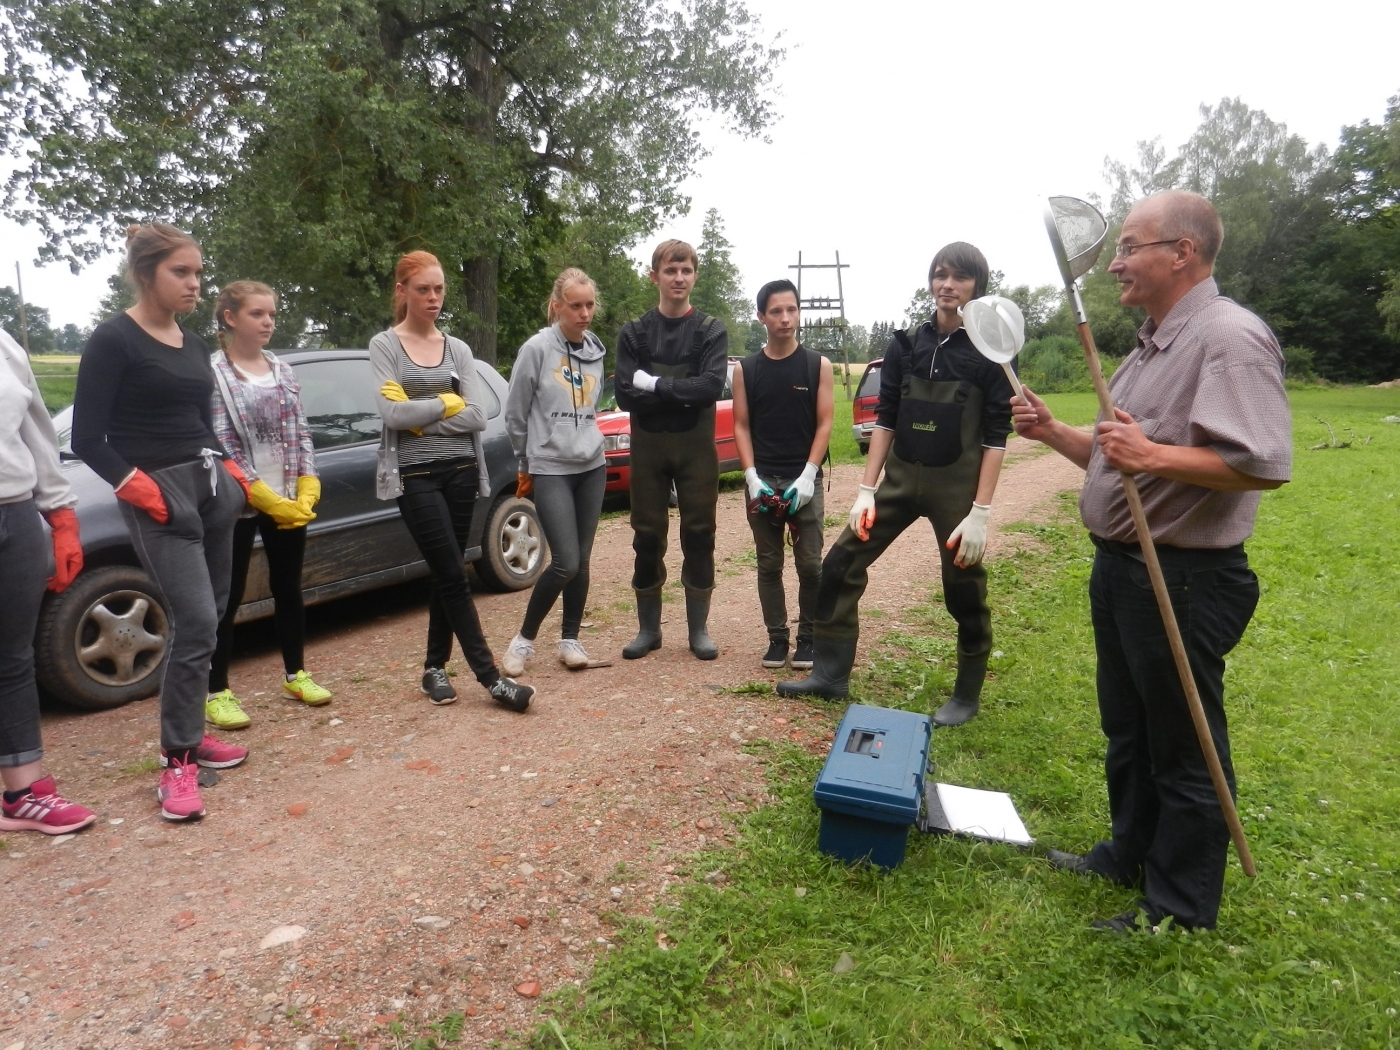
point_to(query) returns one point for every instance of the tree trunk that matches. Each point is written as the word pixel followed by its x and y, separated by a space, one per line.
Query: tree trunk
pixel 480 277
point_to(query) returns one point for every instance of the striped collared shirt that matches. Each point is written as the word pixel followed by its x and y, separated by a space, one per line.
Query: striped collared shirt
pixel 1211 375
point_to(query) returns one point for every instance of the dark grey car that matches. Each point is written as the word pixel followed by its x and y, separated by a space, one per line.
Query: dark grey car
pixel 102 641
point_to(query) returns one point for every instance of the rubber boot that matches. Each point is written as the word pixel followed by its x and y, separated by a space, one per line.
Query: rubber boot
pixel 648 627
pixel 831 673
pixel 963 705
pixel 697 616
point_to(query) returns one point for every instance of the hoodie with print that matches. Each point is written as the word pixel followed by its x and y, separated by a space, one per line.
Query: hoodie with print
pixel 551 410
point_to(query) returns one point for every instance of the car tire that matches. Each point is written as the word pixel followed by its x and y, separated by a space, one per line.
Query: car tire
pixel 103 641
pixel 513 547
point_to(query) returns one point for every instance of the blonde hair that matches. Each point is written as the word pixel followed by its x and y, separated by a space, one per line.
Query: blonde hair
pixel 566 280
pixel 147 246
pixel 232 299
pixel 409 266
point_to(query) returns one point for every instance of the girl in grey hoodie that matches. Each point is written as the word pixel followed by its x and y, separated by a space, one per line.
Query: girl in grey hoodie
pixel 551 417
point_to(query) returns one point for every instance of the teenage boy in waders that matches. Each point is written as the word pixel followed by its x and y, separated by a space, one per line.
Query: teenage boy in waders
pixel 782 426
pixel 941 428
pixel 671 365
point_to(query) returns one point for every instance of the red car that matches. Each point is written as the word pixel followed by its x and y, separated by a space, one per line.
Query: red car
pixel 863 407
pixel 616 426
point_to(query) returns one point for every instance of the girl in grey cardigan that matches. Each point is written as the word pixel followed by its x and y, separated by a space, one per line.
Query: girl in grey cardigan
pixel 551 418
pixel 431 461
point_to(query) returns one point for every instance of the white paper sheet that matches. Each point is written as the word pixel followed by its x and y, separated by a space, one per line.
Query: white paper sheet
pixel 985 814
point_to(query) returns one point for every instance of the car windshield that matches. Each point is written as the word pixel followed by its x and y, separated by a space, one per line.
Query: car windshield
pixel 870 382
pixel 607 400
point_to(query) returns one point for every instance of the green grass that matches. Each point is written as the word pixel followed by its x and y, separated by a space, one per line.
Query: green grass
pixel 978 945
pixel 57 377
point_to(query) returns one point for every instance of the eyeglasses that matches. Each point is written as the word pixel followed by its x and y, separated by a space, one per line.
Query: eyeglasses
pixel 1125 250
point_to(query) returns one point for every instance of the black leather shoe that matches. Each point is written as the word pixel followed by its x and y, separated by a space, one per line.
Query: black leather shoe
pixel 1128 922
pixel 1075 862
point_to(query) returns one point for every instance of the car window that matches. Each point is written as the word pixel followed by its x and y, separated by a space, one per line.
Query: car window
pixel 338 397
pixel 727 394
pixel 607 400
pixel 870 383
pixel 491 403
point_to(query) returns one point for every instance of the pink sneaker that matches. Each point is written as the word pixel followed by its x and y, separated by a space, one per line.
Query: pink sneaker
pixel 214 754
pixel 45 810
pixel 178 793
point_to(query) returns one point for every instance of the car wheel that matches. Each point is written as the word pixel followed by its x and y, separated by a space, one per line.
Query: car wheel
pixel 864 447
pixel 513 547
pixel 103 641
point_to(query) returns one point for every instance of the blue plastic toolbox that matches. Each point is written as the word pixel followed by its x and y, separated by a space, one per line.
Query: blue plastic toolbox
pixel 872 784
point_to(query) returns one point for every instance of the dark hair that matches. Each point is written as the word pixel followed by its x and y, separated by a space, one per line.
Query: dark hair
pixel 147 247
pixel 968 260
pixel 673 251
pixel 771 289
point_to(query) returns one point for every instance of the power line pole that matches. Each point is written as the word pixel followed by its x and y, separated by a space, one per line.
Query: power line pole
pixel 837 325
pixel 23 321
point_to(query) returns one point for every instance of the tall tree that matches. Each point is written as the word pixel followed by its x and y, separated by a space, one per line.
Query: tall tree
pixel 310 144
pixel 41 336
pixel 719 287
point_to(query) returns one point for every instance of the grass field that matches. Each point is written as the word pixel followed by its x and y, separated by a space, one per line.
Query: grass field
pixel 57 375
pixel 977 945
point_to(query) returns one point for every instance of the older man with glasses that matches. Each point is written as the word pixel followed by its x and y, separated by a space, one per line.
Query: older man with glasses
pixel 1204 423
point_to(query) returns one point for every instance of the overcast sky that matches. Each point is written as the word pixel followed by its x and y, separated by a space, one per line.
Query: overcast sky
pixel 902 127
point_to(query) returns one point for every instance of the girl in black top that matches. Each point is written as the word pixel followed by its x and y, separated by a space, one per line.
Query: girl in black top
pixel 141 420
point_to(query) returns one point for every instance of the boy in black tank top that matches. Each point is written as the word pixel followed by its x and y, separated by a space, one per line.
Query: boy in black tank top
pixel 783 404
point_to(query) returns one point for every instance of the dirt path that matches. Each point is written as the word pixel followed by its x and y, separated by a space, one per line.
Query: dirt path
pixel 435 859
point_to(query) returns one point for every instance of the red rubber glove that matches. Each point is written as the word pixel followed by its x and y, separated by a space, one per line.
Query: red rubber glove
pixel 238 476
pixel 140 491
pixel 67 548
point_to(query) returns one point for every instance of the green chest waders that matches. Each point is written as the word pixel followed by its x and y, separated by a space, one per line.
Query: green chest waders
pixel 932 472
pixel 688 459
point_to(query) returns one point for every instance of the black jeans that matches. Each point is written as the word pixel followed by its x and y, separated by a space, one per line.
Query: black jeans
pixel 23 557
pixel 1168 828
pixel 437 503
pixel 285 550
pixel 569 506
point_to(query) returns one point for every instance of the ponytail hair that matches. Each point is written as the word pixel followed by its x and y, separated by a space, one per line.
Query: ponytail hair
pixel 566 280
pixel 410 265
pixel 147 246
pixel 231 300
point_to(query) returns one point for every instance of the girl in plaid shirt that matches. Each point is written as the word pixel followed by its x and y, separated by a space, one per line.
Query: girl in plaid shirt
pixel 258 417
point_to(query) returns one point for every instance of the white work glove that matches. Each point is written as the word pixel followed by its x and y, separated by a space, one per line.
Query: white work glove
pixel 756 486
pixel 644 381
pixel 973 534
pixel 862 514
pixel 799 493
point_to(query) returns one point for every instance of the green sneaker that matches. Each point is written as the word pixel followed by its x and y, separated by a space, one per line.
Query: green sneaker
pixel 225 711
pixel 304 689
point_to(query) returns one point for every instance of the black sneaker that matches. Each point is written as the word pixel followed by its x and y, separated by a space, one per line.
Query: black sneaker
pixel 776 656
pixel 438 687
pixel 509 693
pixel 802 656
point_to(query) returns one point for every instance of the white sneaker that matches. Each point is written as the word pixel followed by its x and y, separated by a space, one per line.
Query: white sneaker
pixel 519 650
pixel 572 654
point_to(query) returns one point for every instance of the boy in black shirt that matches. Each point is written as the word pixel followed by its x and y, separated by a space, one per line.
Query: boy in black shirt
pixel 671 365
pixel 941 428
pixel 783 406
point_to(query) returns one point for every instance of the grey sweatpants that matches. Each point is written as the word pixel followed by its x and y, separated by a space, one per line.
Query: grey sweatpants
pixel 769 540
pixel 190 559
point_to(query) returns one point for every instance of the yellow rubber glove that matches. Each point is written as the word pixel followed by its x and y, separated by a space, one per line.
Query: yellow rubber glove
pixel 297 517
pixel 308 491
pixel 391 391
pixel 453 403
pixel 279 508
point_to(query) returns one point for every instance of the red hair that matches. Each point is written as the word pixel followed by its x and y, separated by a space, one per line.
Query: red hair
pixel 409 267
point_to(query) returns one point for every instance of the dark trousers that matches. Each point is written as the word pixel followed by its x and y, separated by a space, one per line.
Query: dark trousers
pixel 569 506
pixel 1168 830
pixel 437 504
pixel 189 559
pixel 285 550
pixel 23 557
pixel 690 461
pixel 768 540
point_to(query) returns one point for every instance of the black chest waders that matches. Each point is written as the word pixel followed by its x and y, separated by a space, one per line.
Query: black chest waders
pixel 688 459
pixel 932 472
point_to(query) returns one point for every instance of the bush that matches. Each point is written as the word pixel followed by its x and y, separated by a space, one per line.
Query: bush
pixel 1055 365
pixel 1298 363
